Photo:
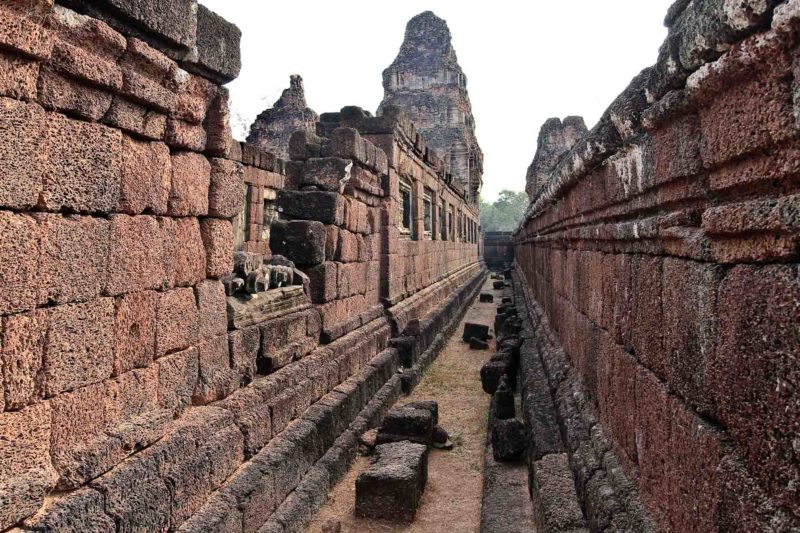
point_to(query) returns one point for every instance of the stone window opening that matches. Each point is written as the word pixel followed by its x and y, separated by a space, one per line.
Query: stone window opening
pixel 404 218
pixel 427 215
pixel 270 216
pixel 443 221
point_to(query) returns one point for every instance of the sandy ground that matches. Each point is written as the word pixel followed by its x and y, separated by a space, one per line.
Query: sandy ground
pixel 452 498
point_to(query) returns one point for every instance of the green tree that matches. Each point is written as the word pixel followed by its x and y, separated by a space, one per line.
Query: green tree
pixel 505 213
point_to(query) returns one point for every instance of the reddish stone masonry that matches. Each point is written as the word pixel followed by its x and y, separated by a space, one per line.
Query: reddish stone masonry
pixel 129 399
pixel 662 253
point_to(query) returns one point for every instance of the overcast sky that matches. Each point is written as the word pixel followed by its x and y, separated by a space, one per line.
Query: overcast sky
pixel 525 61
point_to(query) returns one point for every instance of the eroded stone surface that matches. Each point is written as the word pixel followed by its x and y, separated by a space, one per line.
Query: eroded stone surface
pixel 273 127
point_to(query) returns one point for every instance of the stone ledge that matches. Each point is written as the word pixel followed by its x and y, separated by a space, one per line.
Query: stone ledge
pixel 608 498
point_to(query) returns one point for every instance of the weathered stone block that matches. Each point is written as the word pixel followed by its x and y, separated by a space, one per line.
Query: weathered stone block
pixel 406 423
pixel 751 366
pixel 477 331
pixel 27 474
pixel 218 45
pixel 556 504
pixel 328 174
pixel 24 338
pixel 136 119
pixel 218 240
pixel 79 447
pixel 18 77
pixel 216 379
pixel 135 494
pixel 486 298
pixel 325 207
pixel 146 177
pixel 73 512
pixel 346 247
pixel 80 345
pixel 134 330
pixel 508 440
pixel 478 344
pixel 491 374
pixel 84 163
pixel 191 178
pixel 211 304
pixel 177 321
pixel 23 130
pixel 182 135
pixel 72 97
pixel 735 123
pixel 74 251
pixel 302 241
pixel 391 488
pixel 19 263
pixel 177 376
pixel 184 256
pixel 227 190
pixel 244 345
pixel 135 255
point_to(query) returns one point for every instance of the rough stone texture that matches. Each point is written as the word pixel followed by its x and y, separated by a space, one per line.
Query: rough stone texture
pixel 79 349
pixel 556 138
pixel 426 81
pixel 146 177
pixel 273 127
pixel 391 488
pixel 191 178
pixel 407 424
pixel 508 440
pixel 134 330
pixel 27 473
pixel 128 399
pixel 177 321
pixel 217 45
pixel 656 254
pixel 556 506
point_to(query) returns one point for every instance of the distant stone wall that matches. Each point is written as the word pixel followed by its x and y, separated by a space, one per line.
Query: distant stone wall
pixel 662 251
pixel 498 249
pixel 136 394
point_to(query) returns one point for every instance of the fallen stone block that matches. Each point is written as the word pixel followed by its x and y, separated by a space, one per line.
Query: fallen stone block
pixel 478 331
pixel 508 440
pixel 502 407
pixel 497 285
pixel 477 344
pixel 406 424
pixel 391 488
pixel 486 297
pixel 428 405
pixel 491 373
pixel 507 300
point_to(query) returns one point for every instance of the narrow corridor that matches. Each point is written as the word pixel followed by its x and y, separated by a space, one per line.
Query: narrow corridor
pixel 452 498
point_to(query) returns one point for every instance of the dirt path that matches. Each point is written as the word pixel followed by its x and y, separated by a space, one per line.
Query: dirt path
pixel 452 498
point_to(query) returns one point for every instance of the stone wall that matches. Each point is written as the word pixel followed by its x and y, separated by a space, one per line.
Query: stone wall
pixel 135 394
pixel 498 249
pixel 661 253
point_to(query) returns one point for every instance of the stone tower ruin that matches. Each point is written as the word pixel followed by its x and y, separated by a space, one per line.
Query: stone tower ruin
pixel 426 81
pixel 273 127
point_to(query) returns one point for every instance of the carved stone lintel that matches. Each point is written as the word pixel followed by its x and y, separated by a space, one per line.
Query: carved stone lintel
pixel 253 309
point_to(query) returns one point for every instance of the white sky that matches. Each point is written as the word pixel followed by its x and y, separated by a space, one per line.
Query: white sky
pixel 525 61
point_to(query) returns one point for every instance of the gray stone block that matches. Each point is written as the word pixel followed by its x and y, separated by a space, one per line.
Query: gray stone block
pixel 391 488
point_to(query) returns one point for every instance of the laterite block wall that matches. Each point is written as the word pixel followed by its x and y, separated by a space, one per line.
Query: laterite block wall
pixel 664 253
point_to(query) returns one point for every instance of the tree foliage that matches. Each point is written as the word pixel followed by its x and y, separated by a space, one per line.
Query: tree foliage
pixel 505 213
